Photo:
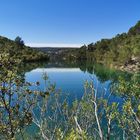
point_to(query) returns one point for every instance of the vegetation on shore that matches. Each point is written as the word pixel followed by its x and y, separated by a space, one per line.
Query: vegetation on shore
pixel 18 50
pixel 121 51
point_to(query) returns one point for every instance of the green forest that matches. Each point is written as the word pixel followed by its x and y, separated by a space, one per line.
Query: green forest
pixel 121 50
pixel 18 50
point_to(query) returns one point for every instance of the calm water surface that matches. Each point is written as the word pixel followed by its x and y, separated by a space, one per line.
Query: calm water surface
pixel 71 80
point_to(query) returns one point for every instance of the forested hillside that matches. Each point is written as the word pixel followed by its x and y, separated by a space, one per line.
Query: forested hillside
pixel 17 49
pixel 121 50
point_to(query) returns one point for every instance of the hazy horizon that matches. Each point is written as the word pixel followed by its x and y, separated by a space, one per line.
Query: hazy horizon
pixel 57 45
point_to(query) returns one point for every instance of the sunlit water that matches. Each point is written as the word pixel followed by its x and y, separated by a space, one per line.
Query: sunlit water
pixel 71 81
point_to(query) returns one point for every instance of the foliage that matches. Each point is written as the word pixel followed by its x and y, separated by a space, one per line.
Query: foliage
pixel 19 41
pixel 13 115
pixel 17 50
pixel 16 99
pixel 119 50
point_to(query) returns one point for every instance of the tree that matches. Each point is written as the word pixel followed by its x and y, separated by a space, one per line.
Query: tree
pixel 19 41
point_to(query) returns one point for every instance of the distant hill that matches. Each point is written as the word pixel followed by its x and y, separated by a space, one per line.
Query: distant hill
pixel 17 50
pixel 54 49
pixel 57 52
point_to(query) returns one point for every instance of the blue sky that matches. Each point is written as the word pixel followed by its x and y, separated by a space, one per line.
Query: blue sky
pixel 66 22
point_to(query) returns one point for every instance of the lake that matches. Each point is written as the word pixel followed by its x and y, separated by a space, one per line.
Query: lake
pixel 69 80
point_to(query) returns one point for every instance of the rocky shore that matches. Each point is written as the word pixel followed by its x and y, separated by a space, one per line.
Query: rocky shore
pixel 132 65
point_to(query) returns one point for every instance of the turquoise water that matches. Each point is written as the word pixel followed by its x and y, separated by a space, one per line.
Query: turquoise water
pixel 71 81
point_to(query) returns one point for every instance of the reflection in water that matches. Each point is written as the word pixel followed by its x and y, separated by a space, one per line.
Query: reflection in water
pixel 102 72
pixel 57 70
pixel 70 78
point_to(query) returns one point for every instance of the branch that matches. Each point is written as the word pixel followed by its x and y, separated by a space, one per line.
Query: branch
pixel 77 124
pixel 97 120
